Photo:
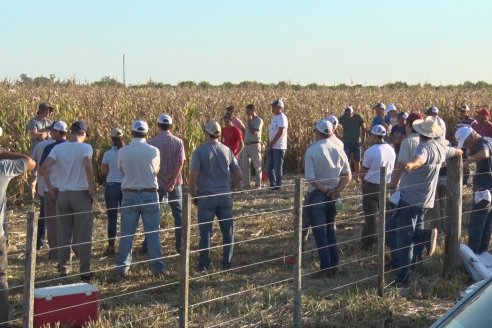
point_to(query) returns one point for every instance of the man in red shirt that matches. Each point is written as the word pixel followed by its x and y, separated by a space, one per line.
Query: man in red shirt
pixel 232 137
pixel 483 125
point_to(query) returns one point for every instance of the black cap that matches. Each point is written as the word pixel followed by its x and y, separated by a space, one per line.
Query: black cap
pixel 43 107
pixel 227 116
pixel 78 126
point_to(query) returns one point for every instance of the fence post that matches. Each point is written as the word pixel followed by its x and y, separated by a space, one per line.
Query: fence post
pixel 454 192
pixel 185 262
pixel 30 270
pixel 382 229
pixel 298 252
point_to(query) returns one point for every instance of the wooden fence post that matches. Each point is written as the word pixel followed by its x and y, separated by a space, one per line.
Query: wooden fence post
pixel 298 252
pixel 454 192
pixel 30 270
pixel 185 262
pixel 382 229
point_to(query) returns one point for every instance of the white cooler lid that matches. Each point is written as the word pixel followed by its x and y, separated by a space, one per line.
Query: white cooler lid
pixel 63 290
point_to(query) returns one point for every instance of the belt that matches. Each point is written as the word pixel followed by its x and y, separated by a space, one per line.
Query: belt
pixel 252 143
pixel 140 190
pixel 112 183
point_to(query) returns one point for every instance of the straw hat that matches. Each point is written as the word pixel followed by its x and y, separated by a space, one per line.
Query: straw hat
pixel 428 127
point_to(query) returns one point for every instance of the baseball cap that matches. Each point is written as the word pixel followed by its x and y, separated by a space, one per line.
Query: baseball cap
pixel 484 112
pixel 78 126
pixel 140 126
pixel 278 103
pixel 432 110
pixel 227 116
pixel 324 127
pixel 378 130
pixel 59 126
pixel 213 128
pixel 403 115
pixel 349 109
pixel 116 132
pixel 332 119
pixel 413 117
pixel 379 106
pixel 164 119
pixel 43 107
pixel 465 108
pixel 391 107
pixel 461 135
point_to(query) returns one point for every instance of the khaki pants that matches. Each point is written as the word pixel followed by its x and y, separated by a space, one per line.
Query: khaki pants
pixel 251 153
pixel 75 222
pixel 51 224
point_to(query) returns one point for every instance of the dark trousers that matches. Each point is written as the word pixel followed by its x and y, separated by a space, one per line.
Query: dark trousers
pixel 479 229
pixel 112 196
pixel 370 205
pixel 4 286
pixel 41 225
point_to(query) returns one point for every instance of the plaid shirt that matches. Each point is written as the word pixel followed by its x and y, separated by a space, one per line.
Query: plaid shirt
pixel 172 154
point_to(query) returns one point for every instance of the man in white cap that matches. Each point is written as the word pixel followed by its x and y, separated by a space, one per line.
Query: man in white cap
pixel 327 171
pixel 434 111
pixel 380 154
pixel 479 151
pixel 334 136
pixel 380 118
pixel 74 191
pixel 417 194
pixel 172 152
pixel 213 168
pixel 354 136
pixel 139 164
pixel 11 165
pixel 277 144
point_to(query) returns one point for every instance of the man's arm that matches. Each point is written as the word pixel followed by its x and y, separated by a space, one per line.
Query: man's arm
pixel 276 137
pixel 44 171
pixel 482 154
pixel 415 163
pixel 236 179
pixel 104 170
pixel 342 184
pixel 172 182
pixel 30 163
pixel 395 179
pixel 192 179
pixel 89 175
pixel 363 133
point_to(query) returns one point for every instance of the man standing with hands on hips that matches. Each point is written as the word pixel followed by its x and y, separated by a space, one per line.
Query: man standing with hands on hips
pixel 277 144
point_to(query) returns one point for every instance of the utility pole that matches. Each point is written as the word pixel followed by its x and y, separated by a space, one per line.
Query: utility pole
pixel 124 70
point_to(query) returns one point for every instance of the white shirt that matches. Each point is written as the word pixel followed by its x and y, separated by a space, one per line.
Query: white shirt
pixel 110 158
pixel 69 165
pixel 279 121
pixel 375 157
pixel 407 148
pixel 442 124
pixel 337 142
pixel 325 162
pixel 36 155
pixel 139 163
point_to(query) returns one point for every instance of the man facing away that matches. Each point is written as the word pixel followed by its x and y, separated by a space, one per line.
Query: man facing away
pixel 354 134
pixel 277 144
pixel 139 164
pixel 74 191
pixel 11 165
pixel 252 149
pixel 213 168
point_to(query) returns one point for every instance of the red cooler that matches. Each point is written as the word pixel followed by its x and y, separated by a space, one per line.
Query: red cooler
pixel 72 305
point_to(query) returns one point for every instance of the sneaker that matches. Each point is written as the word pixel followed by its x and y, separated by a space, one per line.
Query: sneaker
pixel 86 277
pixel 432 244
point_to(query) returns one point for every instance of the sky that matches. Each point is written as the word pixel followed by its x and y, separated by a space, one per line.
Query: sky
pixel 310 41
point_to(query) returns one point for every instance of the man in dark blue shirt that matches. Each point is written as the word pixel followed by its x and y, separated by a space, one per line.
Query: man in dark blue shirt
pixel 479 149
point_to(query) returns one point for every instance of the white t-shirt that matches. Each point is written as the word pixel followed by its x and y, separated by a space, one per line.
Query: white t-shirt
pixel 69 165
pixel 36 154
pixel 110 158
pixel 375 157
pixel 279 121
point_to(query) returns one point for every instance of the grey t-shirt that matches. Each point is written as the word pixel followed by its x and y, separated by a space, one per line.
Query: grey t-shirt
pixel 214 163
pixel 418 187
pixel 9 168
pixel 40 125
pixel 255 124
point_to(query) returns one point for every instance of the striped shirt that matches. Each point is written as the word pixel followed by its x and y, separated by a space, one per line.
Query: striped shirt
pixel 172 155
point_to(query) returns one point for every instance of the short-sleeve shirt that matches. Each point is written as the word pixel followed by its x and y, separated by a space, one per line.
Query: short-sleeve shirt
pixel 378 121
pixel 375 157
pixel 483 176
pixel 172 154
pixel 325 162
pixel 399 131
pixel 232 138
pixel 214 163
pixel 279 121
pixel 351 127
pixel 407 148
pixel 469 121
pixel 110 158
pixel 36 155
pixel 255 124
pixel 69 165
pixel 9 168
pixel 40 125
pixel 52 170
pixel 139 163
pixel 418 187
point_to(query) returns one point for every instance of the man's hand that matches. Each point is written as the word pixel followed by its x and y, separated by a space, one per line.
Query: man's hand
pixel 54 192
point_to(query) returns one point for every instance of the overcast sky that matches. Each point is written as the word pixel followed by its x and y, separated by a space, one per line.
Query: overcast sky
pixel 325 42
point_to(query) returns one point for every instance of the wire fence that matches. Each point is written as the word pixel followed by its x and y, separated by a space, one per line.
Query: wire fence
pixel 282 252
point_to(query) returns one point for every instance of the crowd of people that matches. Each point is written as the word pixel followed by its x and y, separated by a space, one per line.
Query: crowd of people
pixel 147 171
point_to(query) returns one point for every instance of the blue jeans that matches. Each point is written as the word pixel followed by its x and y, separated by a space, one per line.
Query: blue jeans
pixel 134 205
pixel 4 286
pixel 479 230
pixel 41 225
pixel 322 219
pixel 208 208
pixel 113 197
pixel 410 231
pixel 274 166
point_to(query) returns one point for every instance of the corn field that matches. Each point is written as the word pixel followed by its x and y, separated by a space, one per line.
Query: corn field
pixel 106 107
